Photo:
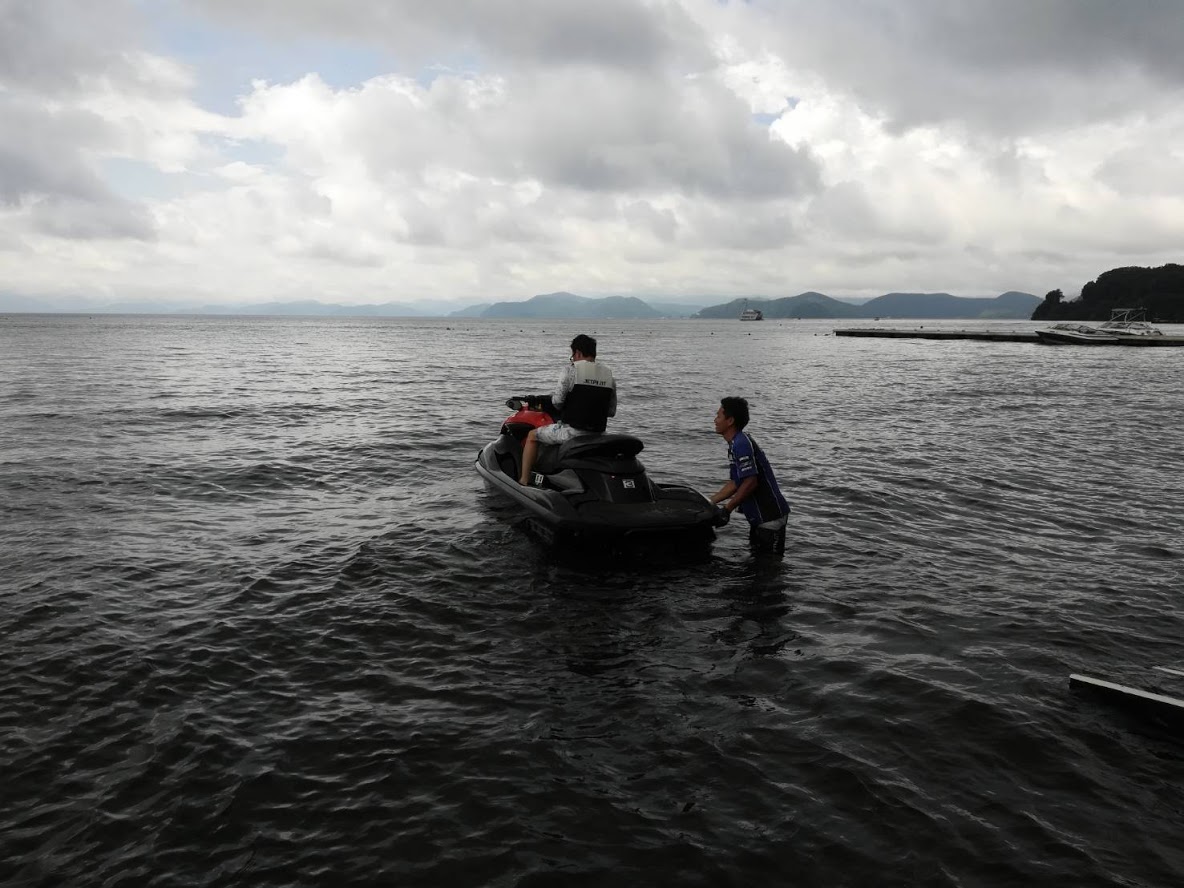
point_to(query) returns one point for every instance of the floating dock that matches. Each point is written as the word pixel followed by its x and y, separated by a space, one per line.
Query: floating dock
pixel 995 336
pixel 939 333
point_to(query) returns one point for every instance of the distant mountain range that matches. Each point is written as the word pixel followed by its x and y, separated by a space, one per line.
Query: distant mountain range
pixel 1007 306
pixel 563 305
pixel 569 305
pixel 1011 306
pixel 1158 291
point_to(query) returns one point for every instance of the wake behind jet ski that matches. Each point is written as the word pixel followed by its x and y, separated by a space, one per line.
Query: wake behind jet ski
pixel 590 487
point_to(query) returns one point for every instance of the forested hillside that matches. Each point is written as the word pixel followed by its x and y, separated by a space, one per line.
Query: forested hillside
pixel 1159 291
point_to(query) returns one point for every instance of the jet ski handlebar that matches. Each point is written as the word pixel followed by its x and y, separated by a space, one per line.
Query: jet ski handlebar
pixel 532 402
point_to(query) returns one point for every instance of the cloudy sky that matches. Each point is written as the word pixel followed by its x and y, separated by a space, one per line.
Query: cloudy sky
pixel 461 151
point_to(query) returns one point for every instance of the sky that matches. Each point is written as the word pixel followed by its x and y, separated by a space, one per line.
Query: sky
pixel 462 151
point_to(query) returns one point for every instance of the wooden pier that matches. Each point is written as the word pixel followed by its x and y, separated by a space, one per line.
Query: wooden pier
pixel 939 333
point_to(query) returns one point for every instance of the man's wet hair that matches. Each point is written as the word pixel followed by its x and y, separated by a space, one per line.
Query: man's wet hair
pixel 585 345
pixel 735 409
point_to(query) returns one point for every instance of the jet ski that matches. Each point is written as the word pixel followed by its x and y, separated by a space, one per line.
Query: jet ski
pixel 592 487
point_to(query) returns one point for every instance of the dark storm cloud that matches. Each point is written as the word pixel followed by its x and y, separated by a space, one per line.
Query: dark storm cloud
pixel 588 130
pixel 91 220
pixel 621 33
pixel 608 32
pixel 53 46
pixel 42 168
pixel 1003 65
pixel 39 152
pixel 722 165
pixel 1086 36
pixel 51 52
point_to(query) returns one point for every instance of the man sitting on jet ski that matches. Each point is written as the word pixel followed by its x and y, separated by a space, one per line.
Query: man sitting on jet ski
pixel 585 399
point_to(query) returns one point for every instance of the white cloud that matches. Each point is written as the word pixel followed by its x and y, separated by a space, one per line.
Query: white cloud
pixel 628 146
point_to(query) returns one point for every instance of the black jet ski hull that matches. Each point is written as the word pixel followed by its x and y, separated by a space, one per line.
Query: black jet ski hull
pixel 589 498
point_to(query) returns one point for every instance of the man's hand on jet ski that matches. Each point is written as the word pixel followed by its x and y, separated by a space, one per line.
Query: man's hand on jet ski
pixel 722 516
pixel 541 402
pixel 533 402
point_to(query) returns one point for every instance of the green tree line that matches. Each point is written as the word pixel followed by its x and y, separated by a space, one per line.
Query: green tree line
pixel 1158 291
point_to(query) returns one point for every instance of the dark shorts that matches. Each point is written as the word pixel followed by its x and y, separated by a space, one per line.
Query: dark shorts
pixel 769 537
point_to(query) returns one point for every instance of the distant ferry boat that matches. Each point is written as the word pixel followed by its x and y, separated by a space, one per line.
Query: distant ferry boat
pixel 752 314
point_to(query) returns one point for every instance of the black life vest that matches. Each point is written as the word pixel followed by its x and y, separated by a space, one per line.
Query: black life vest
pixel 592 398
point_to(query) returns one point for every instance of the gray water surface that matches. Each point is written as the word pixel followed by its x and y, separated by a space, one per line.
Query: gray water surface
pixel 262 625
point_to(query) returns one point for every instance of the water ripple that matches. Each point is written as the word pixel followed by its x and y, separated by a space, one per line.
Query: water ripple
pixel 263 626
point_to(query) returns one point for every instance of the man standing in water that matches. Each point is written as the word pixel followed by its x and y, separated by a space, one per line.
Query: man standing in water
pixel 586 398
pixel 751 486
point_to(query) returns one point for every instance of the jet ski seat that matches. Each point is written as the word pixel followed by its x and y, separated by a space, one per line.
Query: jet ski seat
pixel 602 452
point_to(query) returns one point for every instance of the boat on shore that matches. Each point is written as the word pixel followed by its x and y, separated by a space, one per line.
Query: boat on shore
pixel 1075 334
pixel 1124 323
pixel 1151 701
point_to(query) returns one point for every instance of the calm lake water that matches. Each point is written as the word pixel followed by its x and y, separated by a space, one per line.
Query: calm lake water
pixel 262 624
